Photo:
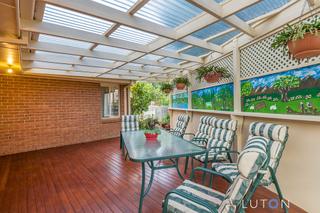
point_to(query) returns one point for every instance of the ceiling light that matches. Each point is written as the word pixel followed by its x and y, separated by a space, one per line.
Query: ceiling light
pixel 10 61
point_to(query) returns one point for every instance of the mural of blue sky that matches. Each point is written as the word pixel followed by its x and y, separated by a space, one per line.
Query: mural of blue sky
pixel 302 73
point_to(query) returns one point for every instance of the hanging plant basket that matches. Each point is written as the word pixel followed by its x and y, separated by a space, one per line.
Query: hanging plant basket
pixel 307 47
pixel 180 86
pixel 212 77
pixel 167 91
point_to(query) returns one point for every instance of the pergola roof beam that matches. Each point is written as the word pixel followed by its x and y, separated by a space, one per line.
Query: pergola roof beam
pixel 217 11
pixel 50 58
pixel 197 23
pixel 63 49
pixel 65 32
pixel 107 13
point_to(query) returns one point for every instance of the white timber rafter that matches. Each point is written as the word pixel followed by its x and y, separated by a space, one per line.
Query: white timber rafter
pixel 273 21
pixel 217 11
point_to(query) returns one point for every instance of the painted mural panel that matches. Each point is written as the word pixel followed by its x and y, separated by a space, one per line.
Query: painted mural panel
pixel 214 98
pixel 180 100
pixel 295 91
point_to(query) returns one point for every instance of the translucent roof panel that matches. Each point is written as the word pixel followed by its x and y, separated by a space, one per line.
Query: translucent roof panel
pixel 196 51
pixel 169 13
pixel 171 60
pixel 50 54
pixel 64 41
pixel 97 61
pixel 152 57
pixel 175 46
pixel 261 8
pixel 122 5
pixel 224 38
pixel 75 20
pixel 211 30
pixel 114 50
pixel 133 35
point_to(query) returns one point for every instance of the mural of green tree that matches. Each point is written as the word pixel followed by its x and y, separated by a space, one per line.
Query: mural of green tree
pixel 291 92
pixel 214 98
pixel 284 84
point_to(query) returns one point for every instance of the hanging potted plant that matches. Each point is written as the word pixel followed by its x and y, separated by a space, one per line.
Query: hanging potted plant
pixel 181 82
pixel 166 87
pixel 151 128
pixel 211 73
pixel 302 39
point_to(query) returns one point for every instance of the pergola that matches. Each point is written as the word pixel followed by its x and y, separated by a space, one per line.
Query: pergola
pixel 151 40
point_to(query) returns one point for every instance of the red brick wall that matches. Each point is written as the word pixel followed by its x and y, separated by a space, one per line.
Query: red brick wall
pixel 39 113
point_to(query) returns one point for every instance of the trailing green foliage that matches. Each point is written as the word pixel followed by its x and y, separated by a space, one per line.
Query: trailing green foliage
pixel 166 119
pixel 166 86
pixel 295 32
pixel 149 125
pixel 142 93
pixel 183 80
pixel 204 70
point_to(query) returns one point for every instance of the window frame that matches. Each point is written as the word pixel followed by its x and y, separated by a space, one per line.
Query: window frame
pixel 103 88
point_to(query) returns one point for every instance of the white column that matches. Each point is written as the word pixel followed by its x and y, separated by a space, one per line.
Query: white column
pixel 236 71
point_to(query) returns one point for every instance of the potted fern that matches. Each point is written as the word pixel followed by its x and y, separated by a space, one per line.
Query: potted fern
pixel 151 128
pixel 302 39
pixel 181 82
pixel 211 73
pixel 166 87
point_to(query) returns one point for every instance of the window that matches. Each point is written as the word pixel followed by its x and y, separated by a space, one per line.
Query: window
pixel 110 96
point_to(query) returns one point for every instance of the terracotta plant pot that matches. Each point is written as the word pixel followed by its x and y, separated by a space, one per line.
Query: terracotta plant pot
pixel 307 47
pixel 151 136
pixel 212 77
pixel 180 86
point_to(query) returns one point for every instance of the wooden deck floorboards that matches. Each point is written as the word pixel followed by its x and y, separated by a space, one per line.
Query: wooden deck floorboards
pixel 91 177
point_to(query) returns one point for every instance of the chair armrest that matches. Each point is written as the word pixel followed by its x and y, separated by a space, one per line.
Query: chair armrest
pixel 204 140
pixel 223 151
pixel 189 133
pixel 187 196
pixel 205 170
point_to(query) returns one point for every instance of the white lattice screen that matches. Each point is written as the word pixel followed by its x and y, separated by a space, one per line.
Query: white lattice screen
pixel 259 58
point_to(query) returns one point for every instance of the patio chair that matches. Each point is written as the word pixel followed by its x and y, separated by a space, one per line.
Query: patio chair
pixel 278 136
pixel 193 197
pixel 128 123
pixel 219 136
pixel 181 125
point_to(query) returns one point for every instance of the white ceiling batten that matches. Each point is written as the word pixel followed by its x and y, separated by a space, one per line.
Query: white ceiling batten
pixel 144 39
pixel 74 34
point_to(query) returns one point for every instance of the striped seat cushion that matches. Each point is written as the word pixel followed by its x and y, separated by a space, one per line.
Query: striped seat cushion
pixel 177 203
pixel 277 135
pixel 204 129
pixel 228 169
pixel 213 154
pixel 181 125
pixel 221 133
pixel 252 161
pixel 129 123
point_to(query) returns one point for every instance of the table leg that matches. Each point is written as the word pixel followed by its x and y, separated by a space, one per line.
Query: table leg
pixel 142 186
pixel 177 167
pixel 186 165
pixel 151 179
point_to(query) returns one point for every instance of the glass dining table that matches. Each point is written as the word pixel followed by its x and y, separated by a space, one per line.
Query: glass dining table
pixel 166 147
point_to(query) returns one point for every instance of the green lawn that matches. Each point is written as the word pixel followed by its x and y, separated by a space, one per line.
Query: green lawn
pixel 281 107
